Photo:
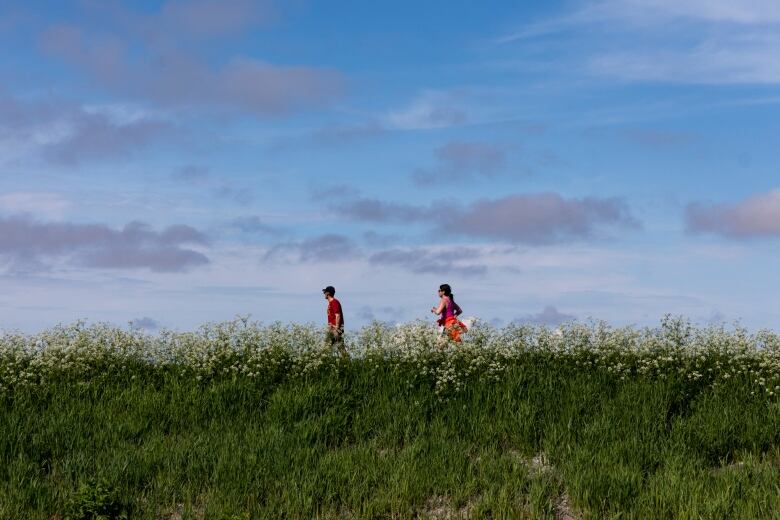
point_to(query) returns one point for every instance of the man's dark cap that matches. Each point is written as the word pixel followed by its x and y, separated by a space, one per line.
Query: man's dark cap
pixel 330 290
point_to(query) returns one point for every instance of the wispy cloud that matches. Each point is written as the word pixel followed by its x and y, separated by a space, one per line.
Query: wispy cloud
pixel 698 41
pixel 254 225
pixel 657 139
pixel 240 195
pixel 376 210
pixel 385 313
pixel 536 218
pixel 432 109
pixel 458 261
pixel 191 174
pixel 744 12
pixel 145 323
pixel 41 204
pixel 327 248
pixel 332 135
pixel 219 187
pixel 741 58
pixel 211 18
pixel 648 13
pixel 68 133
pixel 96 136
pixel 142 55
pixel 463 160
pixel 548 316
pixel 28 244
pixel 541 218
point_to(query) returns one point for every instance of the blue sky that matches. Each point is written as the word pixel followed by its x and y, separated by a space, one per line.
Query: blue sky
pixel 180 162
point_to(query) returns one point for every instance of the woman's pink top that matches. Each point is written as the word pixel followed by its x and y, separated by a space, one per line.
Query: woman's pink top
pixel 449 309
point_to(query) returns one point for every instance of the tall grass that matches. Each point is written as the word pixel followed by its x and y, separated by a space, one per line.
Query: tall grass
pixel 242 421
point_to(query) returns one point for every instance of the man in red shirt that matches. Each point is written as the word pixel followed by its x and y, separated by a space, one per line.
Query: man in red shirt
pixel 335 335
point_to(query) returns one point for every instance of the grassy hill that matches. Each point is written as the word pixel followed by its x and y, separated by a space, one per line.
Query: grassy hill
pixel 239 421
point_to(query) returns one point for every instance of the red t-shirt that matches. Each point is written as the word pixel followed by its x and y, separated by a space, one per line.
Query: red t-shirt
pixel 334 307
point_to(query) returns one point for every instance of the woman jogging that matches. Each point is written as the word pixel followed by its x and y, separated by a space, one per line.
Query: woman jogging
pixel 449 311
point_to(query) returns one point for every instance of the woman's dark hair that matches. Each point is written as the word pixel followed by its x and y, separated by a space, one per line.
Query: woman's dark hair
pixel 445 287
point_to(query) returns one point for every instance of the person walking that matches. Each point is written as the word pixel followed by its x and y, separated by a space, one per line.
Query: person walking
pixel 449 312
pixel 335 335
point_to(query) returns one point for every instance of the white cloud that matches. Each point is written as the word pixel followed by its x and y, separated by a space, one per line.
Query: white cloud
pixel 653 12
pixel 41 204
pixel 743 58
pixel 599 282
pixel 430 110
pixel 693 41
pixel 728 11
pixel 123 113
pixel 64 132
pixel 549 316
pixel 756 216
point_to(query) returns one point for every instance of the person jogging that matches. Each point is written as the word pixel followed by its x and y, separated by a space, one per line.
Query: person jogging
pixel 449 311
pixel 335 335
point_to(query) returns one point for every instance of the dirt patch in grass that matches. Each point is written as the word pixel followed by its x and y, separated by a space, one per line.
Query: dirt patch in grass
pixel 563 509
pixel 385 452
pixel 176 513
pixel 539 464
pixel 440 507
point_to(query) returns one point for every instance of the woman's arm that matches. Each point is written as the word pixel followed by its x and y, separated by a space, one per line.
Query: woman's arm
pixel 440 308
pixel 456 309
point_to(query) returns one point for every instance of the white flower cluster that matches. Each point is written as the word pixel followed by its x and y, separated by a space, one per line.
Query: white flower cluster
pixel 676 349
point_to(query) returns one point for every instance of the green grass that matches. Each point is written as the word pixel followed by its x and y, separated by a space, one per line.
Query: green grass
pixel 358 441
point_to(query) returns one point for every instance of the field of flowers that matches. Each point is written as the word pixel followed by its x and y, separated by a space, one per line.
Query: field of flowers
pixel 708 356
pixel 242 420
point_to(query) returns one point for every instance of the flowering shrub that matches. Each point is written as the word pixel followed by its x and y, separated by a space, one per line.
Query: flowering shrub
pixel 242 349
